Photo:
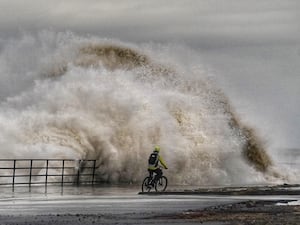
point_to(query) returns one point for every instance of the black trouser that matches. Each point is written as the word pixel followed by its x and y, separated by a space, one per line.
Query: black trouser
pixel 158 173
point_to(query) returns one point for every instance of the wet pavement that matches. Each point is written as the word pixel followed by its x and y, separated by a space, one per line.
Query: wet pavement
pixel 112 205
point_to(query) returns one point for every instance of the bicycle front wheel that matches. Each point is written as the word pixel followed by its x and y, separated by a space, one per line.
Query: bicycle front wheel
pixel 161 184
pixel 145 186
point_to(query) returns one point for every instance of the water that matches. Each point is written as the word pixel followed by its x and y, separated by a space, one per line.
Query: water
pixel 65 96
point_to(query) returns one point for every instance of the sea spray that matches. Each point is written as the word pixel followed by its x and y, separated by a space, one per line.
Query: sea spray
pixel 89 98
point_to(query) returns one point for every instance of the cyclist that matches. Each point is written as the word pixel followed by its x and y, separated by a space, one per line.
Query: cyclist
pixel 153 164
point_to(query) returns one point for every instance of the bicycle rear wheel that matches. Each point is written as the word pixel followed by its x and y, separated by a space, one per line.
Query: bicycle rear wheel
pixel 161 184
pixel 145 186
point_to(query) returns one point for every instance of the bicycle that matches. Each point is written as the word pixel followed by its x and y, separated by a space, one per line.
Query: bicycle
pixel 160 185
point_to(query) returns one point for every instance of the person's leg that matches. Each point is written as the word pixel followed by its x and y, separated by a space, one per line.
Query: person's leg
pixel 158 173
pixel 151 176
pixel 150 173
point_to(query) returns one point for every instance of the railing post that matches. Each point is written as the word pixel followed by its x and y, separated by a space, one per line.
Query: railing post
pixel 94 169
pixel 62 173
pixel 78 173
pixel 14 175
pixel 47 165
pixel 30 173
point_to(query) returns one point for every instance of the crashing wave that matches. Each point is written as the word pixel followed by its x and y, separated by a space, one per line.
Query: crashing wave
pixel 110 101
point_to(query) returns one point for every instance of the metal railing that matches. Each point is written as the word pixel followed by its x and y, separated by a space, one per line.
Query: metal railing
pixel 46 171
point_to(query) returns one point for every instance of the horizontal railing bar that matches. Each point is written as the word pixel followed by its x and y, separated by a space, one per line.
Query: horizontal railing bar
pixel 56 182
pixel 37 168
pixel 23 168
pixel 82 160
pixel 49 175
pixel 49 182
pixel 44 167
pixel 41 183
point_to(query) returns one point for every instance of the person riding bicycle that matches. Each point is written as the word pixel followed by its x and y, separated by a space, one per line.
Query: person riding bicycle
pixel 153 164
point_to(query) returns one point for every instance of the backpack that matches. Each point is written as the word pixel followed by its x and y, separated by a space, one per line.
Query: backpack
pixel 153 159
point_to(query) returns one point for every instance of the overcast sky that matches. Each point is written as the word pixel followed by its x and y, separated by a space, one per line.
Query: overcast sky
pixel 239 20
pixel 253 45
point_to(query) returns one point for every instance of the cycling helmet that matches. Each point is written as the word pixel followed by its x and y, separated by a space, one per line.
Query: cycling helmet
pixel 156 148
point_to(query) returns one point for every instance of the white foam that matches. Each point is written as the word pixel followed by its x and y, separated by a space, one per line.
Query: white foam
pixel 117 116
pixel 290 203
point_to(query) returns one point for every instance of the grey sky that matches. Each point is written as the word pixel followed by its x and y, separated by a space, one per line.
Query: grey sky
pixel 253 45
pixel 144 20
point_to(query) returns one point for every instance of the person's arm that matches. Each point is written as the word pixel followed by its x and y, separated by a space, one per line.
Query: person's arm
pixel 162 161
